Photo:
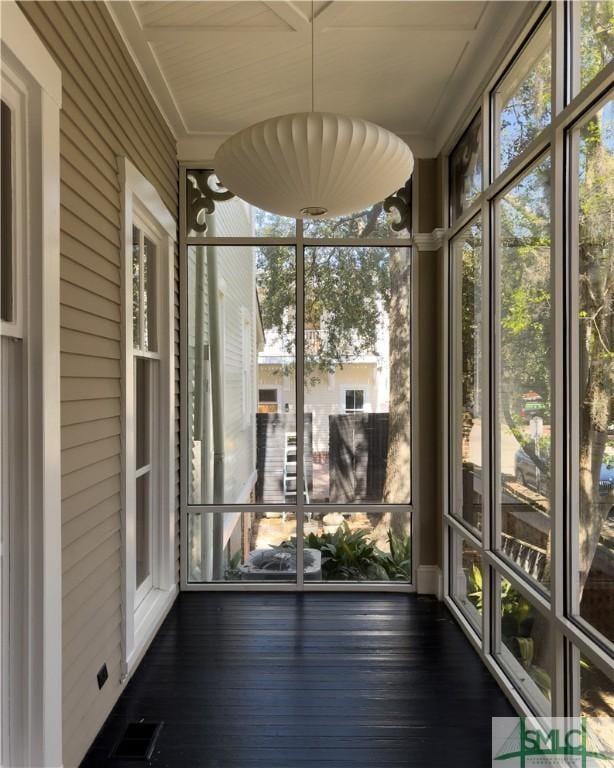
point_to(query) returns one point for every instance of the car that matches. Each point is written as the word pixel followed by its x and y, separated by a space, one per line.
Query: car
pixel 527 473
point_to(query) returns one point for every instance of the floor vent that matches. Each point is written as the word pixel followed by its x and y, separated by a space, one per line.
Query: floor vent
pixel 138 741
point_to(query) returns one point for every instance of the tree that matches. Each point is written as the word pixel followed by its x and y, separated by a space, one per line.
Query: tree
pixel 349 293
pixel 596 325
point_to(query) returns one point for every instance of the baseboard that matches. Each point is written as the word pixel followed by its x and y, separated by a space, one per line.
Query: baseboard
pixel 429 581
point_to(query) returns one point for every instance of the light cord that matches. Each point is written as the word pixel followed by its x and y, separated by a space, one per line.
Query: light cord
pixel 312 59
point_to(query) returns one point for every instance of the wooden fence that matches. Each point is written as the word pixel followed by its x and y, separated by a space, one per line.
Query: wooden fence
pixel 358 446
pixel 271 429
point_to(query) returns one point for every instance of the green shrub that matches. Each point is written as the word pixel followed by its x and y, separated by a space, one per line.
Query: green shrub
pixel 351 555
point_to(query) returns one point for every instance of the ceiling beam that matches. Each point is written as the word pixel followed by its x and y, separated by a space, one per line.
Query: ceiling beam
pixel 128 23
pixel 289 13
pixel 325 11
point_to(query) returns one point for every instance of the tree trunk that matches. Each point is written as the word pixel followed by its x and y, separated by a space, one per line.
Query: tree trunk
pixel 397 488
pixel 594 417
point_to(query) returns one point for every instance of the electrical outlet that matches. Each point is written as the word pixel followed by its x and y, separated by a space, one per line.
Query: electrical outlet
pixel 102 676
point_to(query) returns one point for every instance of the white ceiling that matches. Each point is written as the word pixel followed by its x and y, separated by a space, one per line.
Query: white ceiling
pixel 216 67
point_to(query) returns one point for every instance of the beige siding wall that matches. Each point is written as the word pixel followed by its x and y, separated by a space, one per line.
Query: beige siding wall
pixel 107 112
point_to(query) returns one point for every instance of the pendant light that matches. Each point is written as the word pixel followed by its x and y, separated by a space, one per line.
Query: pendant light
pixel 313 164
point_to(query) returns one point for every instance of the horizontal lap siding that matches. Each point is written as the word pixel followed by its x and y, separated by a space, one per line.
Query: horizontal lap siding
pixel 106 112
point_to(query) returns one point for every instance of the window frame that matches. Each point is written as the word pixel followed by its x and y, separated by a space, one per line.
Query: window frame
pixel 455 364
pixel 569 637
pixel 142 206
pixel 572 348
pixel 300 242
pixel 365 399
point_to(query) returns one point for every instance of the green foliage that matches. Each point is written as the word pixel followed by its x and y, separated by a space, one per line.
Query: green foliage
pixel 596 39
pixel 347 289
pixel 352 556
pixel 231 571
pixel 397 562
pixel 517 621
pixel 475 591
pixel 527 108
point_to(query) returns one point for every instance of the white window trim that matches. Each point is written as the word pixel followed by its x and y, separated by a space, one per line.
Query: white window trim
pixel 42 726
pixel 366 398
pixel 141 201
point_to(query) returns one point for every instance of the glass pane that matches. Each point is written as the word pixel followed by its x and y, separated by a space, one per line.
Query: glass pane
pixel 526 651
pixel 374 222
pixel 596 37
pixel 597 701
pixel 357 546
pixel 522 98
pixel 354 400
pixel 136 287
pixel 524 385
pixel 232 217
pixel 466 169
pixel 6 218
pixel 357 336
pixel 466 577
pixel 241 340
pixel 143 529
pixel 150 331
pixel 235 546
pixel 595 143
pixel 143 411
pixel 466 372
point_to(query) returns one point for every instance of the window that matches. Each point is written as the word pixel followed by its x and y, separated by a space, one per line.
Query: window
pixel 298 393
pixel 597 701
pixel 267 401
pixel 466 169
pixel 525 649
pixel 522 99
pixel 234 217
pixel 146 374
pixel 148 411
pixel 6 192
pixel 248 344
pixel 466 370
pixel 376 222
pixel 595 28
pixel 529 443
pixel 354 400
pixel 593 147
pixel 466 580
pixel 524 371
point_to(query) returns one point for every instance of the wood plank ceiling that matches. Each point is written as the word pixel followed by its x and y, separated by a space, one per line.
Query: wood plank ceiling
pixel 229 64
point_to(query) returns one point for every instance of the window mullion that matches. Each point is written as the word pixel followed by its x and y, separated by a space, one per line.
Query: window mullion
pixel 300 405
pixel 558 421
pixel 141 289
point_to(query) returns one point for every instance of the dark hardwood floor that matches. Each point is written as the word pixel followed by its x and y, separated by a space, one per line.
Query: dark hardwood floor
pixel 284 680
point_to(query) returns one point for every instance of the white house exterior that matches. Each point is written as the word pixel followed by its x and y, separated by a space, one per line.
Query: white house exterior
pixel 227 383
pixel 360 384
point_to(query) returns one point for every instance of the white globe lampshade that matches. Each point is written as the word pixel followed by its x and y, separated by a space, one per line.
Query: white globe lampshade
pixel 313 164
